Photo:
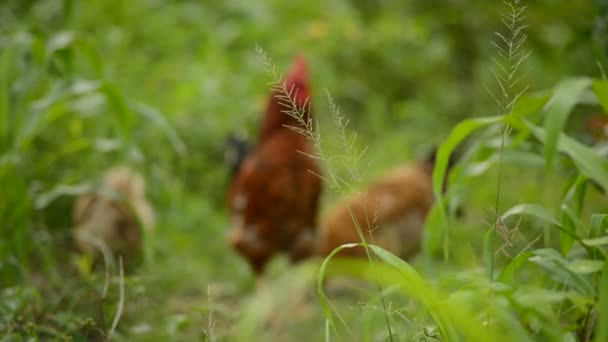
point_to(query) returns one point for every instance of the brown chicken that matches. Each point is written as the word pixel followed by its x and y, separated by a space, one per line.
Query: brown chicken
pixel 111 220
pixel 273 198
pixel 393 209
pixel 597 126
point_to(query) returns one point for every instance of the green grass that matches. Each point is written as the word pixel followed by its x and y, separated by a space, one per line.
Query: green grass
pixel 158 84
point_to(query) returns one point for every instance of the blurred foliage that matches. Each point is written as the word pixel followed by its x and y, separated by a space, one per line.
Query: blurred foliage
pixel 159 84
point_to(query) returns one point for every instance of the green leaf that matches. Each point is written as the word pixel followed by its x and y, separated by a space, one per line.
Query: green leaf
pixel 59 41
pixel 517 158
pixel 528 105
pixel 595 238
pixel 600 241
pixel 557 267
pixel 586 266
pixel 537 297
pixel 600 88
pixel 6 59
pixel 509 274
pixel 43 200
pixel 532 209
pixel 453 317
pixel 601 328
pixel 122 111
pixel 325 304
pixel 159 119
pixel 598 221
pixel 585 158
pixel 572 206
pixel 565 96
pixel 458 134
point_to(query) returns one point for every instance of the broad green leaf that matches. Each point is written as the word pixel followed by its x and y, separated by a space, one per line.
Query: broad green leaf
pixel 598 221
pixel 159 119
pixel 531 209
pixel 433 230
pixel 59 41
pixel 524 108
pixel 509 274
pixel 600 241
pixel 325 303
pixel 6 58
pixel 596 240
pixel 557 267
pixel 15 231
pixel 565 96
pixel 568 223
pixel 43 200
pixel 418 285
pixel 572 206
pixel 90 52
pixel 585 158
pixel 601 328
pixel 600 88
pixel 393 260
pixel 528 105
pixel 518 158
pixel 542 300
pixel 586 266
pixel 453 317
pixel 541 213
pixel 536 297
pixel 122 111
pixel 458 134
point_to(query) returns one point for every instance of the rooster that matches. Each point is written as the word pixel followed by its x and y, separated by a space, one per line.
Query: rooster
pixel 111 220
pixel 391 213
pixel 236 149
pixel 273 198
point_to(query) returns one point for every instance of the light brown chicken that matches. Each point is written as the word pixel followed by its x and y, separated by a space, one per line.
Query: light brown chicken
pixel 112 219
pixel 391 213
pixel 273 198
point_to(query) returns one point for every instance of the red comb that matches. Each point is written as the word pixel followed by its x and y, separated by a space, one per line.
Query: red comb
pixel 298 75
pixel 296 84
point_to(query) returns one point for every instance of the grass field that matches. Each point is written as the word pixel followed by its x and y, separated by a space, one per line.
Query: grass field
pixel 159 85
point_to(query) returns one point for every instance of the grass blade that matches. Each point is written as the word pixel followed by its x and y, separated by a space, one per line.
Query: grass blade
pixel 565 96
pixel 601 328
pixel 458 134
pixel 585 158
pixel 600 88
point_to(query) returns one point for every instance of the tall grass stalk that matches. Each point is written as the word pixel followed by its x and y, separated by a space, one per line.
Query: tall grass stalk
pixel 506 72
pixel 350 157
pixel 210 331
pixel 121 299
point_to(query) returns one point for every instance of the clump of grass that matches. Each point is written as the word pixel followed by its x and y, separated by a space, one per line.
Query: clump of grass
pixel 506 71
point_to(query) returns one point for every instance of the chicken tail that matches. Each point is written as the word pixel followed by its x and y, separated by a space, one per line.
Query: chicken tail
pixel 236 149
pixel 432 156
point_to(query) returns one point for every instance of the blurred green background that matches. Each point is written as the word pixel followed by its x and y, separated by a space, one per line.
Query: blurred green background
pixel 159 84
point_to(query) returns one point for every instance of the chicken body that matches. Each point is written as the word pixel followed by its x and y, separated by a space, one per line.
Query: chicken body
pixel 111 220
pixel 390 213
pixel 273 198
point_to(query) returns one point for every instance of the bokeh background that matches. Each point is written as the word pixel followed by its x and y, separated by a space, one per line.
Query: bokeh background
pixel 159 84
